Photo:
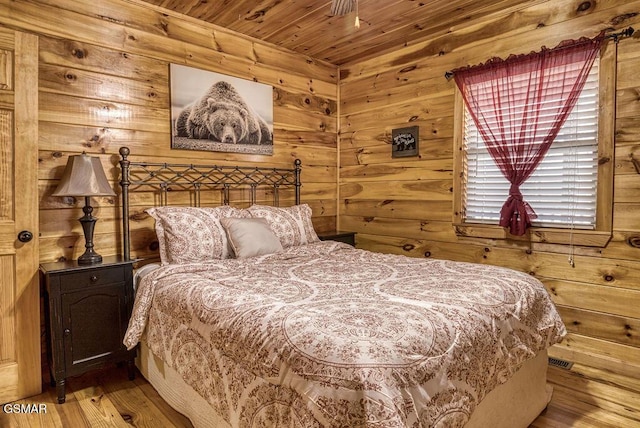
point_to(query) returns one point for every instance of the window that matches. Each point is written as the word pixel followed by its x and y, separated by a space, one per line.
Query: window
pixel 570 191
pixel 562 190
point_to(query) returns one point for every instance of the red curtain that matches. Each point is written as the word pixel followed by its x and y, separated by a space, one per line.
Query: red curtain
pixel 519 105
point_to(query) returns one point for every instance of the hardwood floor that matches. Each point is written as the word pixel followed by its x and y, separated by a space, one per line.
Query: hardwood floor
pixel 588 397
pixel 584 397
pixel 105 398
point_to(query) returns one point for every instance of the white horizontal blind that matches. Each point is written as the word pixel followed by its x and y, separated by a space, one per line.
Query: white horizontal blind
pixel 562 190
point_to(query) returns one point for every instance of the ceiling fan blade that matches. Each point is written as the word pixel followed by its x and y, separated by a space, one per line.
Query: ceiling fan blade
pixel 342 7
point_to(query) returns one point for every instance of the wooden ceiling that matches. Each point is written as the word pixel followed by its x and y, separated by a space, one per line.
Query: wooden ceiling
pixel 307 27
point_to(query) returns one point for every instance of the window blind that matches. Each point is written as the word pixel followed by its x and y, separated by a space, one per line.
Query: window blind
pixel 562 190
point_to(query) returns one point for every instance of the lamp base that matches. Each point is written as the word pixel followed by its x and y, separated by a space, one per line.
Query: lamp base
pixel 89 258
pixel 88 222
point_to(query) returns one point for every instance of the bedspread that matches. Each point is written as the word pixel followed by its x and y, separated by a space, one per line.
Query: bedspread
pixel 328 335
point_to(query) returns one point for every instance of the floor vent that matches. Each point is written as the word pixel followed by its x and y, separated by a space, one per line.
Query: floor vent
pixel 556 362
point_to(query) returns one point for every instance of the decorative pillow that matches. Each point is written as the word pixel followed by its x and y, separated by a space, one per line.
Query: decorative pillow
pixel 292 225
pixel 190 234
pixel 250 237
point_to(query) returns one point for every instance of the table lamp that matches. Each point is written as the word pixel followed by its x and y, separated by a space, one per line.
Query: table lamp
pixel 84 176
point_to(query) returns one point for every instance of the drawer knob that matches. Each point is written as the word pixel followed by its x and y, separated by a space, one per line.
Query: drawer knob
pixel 67 332
pixel 93 278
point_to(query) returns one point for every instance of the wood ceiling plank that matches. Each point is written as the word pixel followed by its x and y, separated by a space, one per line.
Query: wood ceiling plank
pixel 415 27
pixel 307 27
pixel 269 17
pixel 320 32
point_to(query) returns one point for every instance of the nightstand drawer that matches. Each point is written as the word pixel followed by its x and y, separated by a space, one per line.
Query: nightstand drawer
pixel 90 278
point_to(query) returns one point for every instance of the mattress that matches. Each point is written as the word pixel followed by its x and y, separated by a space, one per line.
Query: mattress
pixel 513 404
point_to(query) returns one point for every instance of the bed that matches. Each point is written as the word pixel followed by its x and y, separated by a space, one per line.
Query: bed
pixel 309 333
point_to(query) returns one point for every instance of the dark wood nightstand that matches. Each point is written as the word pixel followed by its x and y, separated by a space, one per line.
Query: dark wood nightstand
pixel 87 316
pixel 346 237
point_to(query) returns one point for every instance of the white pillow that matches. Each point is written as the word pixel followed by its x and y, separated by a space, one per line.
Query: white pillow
pixel 250 237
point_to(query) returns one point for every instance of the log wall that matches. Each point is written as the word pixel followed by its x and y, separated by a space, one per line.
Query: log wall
pixel 404 205
pixel 104 83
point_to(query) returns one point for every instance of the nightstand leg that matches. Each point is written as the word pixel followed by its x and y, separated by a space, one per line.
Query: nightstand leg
pixel 131 369
pixel 60 386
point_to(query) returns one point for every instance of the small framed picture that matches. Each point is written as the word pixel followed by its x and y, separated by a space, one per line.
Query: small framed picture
pixel 404 142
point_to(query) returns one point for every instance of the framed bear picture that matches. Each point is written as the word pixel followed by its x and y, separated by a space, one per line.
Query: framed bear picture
pixel 215 112
pixel 404 142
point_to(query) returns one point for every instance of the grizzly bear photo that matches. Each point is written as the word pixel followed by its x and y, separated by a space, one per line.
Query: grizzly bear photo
pixel 216 116
pixel 222 115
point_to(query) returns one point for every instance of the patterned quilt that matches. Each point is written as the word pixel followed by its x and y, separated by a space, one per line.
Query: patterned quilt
pixel 325 335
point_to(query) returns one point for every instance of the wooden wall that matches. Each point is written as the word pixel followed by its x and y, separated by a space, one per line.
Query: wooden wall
pixel 104 83
pixel 404 205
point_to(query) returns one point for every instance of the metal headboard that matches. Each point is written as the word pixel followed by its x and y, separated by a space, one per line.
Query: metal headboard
pixel 167 177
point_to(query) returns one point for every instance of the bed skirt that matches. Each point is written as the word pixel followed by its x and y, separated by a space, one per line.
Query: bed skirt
pixel 513 404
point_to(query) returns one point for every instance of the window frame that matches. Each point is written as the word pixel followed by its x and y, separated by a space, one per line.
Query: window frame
pixel 601 234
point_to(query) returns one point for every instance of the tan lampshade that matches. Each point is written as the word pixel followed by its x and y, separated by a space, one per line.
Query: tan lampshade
pixel 83 176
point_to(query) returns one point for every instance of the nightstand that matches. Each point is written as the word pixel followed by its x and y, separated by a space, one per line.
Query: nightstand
pixel 86 316
pixel 346 237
